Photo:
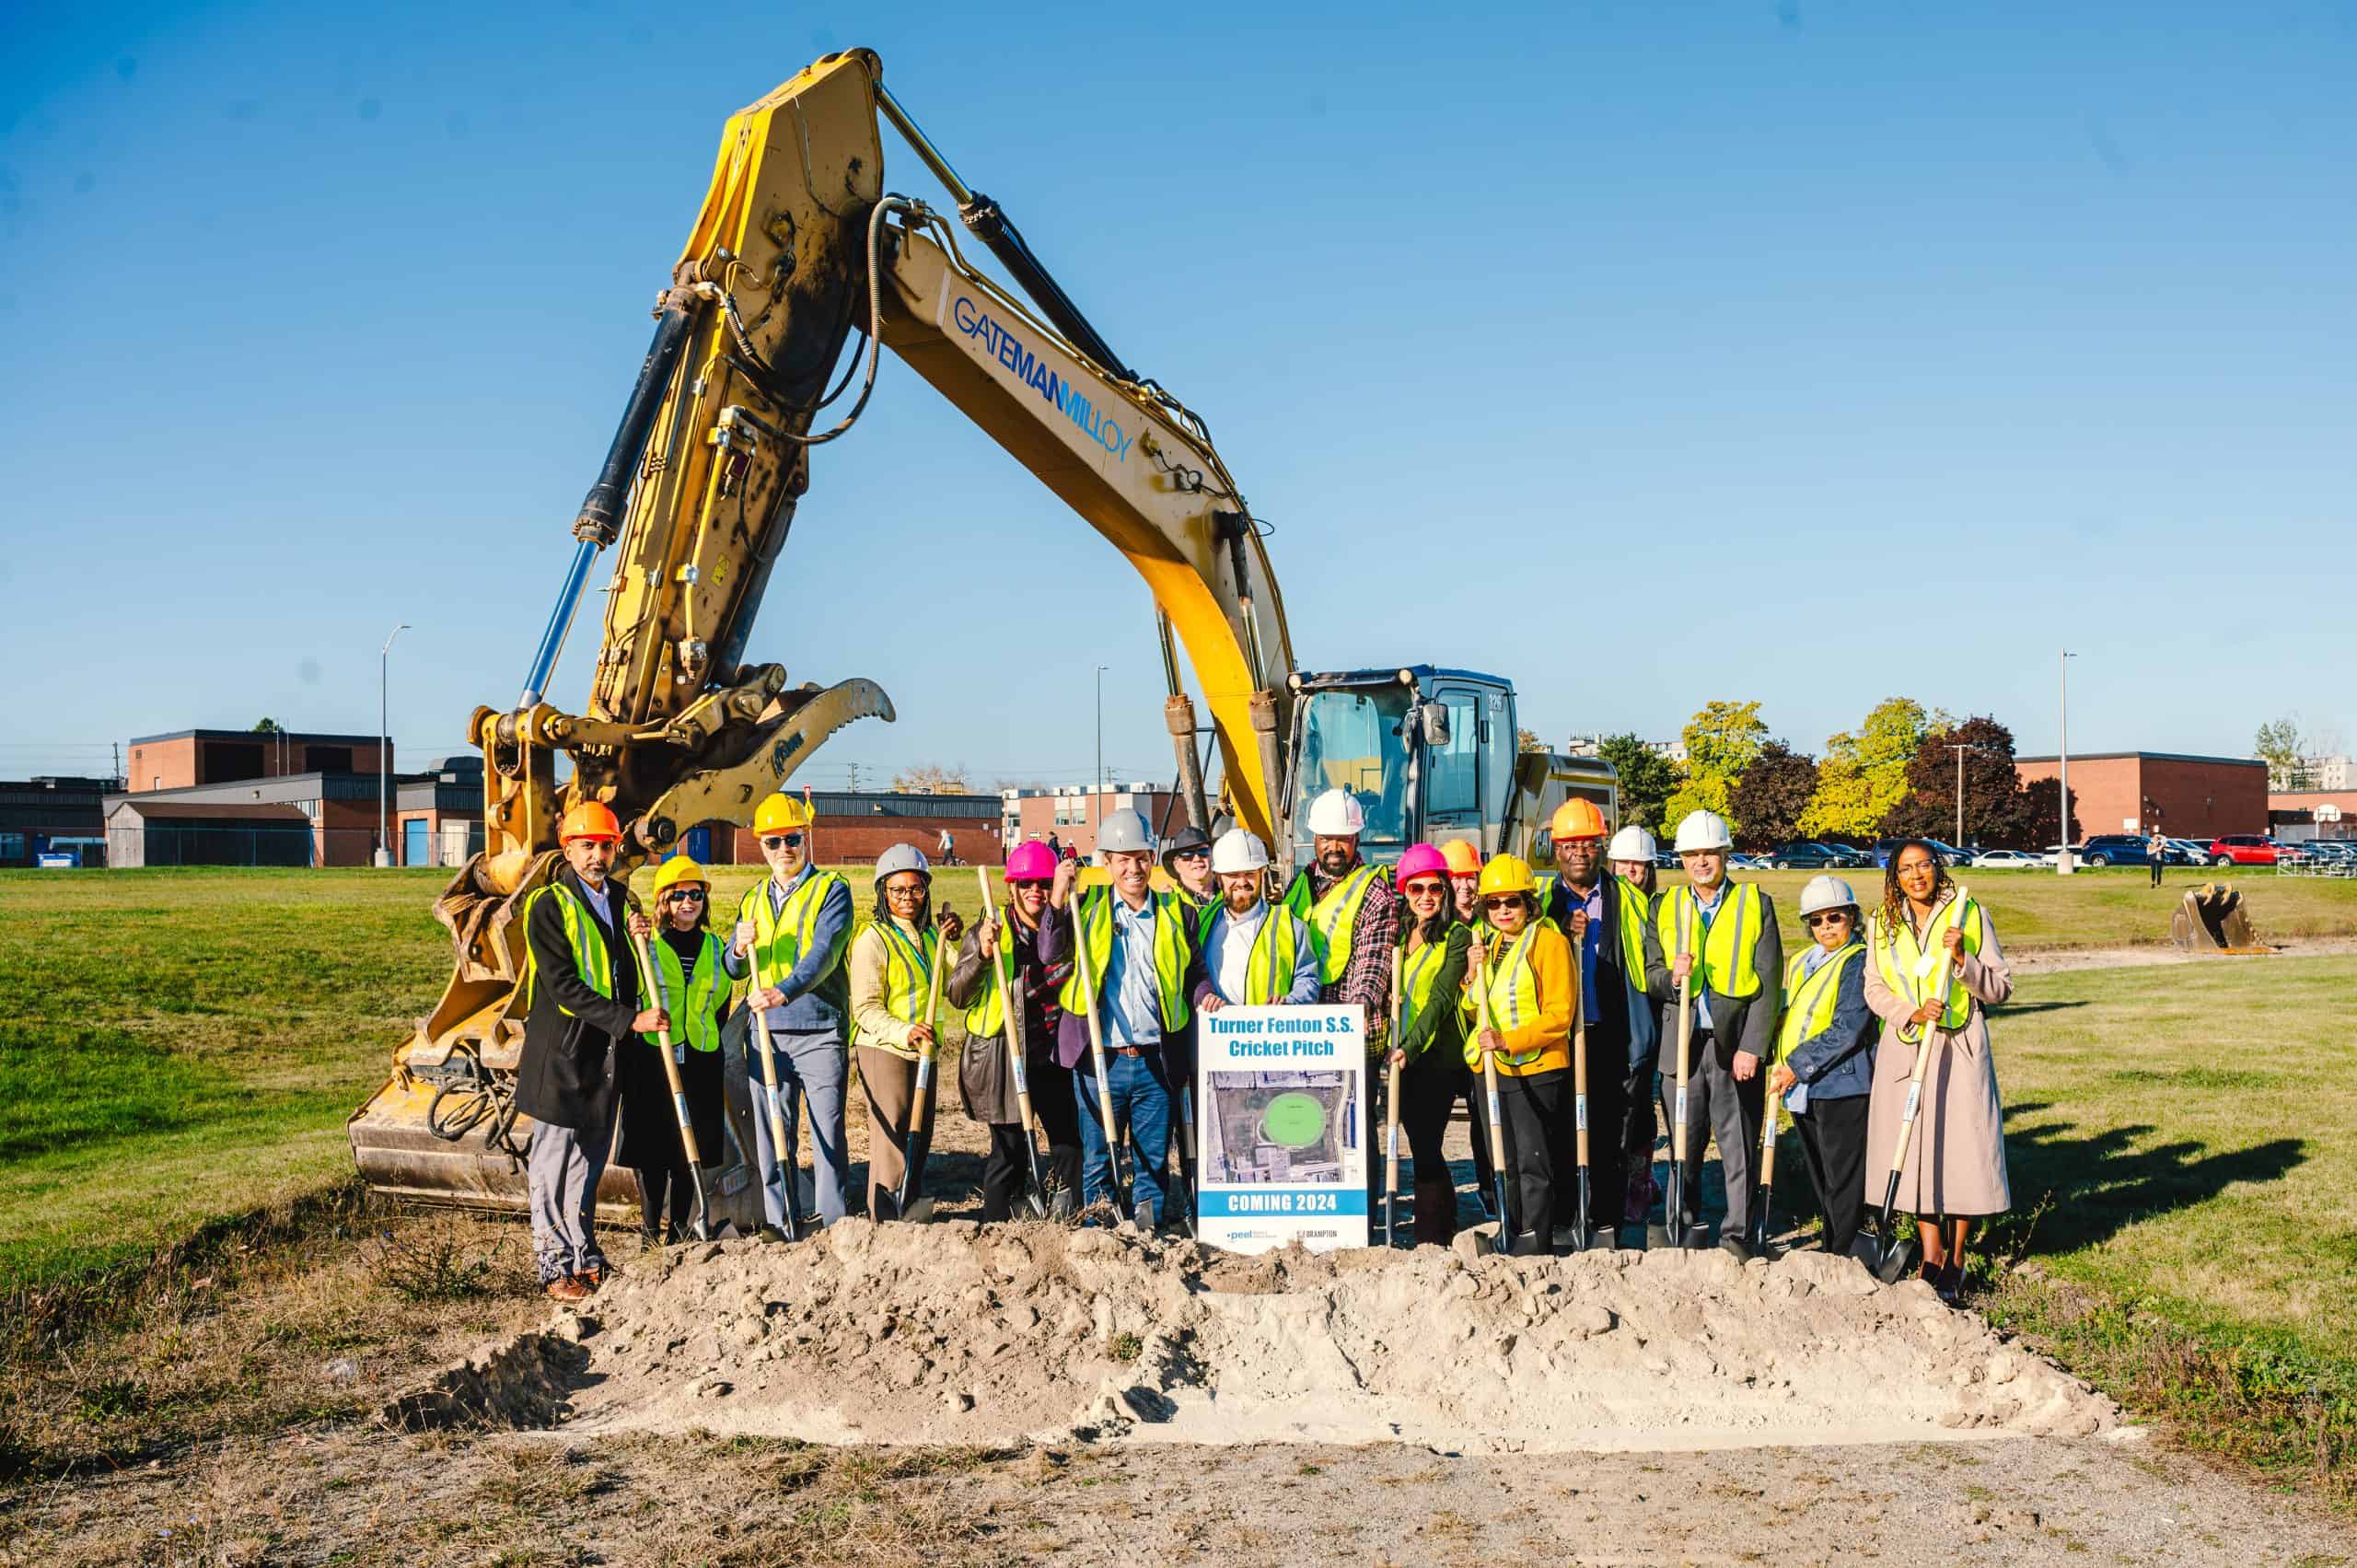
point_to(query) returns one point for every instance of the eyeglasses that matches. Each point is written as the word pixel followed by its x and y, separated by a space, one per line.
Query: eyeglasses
pixel 684 896
pixel 904 892
pixel 1825 917
pixel 782 840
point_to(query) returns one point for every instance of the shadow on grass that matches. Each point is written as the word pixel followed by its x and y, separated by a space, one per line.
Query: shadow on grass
pixel 2015 1009
pixel 2101 1184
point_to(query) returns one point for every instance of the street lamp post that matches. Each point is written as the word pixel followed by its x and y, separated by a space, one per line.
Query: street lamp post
pixel 2062 867
pixel 384 746
pixel 1959 748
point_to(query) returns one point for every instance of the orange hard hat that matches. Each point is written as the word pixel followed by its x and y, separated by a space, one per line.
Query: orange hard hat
pixel 1463 859
pixel 1577 818
pixel 590 819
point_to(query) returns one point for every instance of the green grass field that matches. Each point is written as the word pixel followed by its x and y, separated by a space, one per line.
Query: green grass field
pixel 178 1046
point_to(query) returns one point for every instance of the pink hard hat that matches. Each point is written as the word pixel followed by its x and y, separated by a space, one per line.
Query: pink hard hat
pixel 1031 862
pixel 1421 860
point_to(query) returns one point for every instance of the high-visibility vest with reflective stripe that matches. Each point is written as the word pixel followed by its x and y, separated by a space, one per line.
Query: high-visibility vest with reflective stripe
pixel 1269 968
pixel 1913 970
pixel 988 1014
pixel 1810 1000
pixel 1093 944
pixel 1543 887
pixel 1635 910
pixel 582 935
pixel 781 936
pixel 908 979
pixel 1512 986
pixel 1334 919
pixel 693 1001
pixel 1419 971
pixel 1724 963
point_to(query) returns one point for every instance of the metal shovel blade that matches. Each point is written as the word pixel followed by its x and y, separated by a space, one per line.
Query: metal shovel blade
pixel 1898 1258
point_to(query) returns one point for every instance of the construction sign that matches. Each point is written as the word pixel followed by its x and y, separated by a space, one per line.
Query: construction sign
pixel 1283 1097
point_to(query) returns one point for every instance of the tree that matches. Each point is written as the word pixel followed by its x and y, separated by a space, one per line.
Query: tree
pixel 267 726
pixel 2284 750
pixel 1864 775
pixel 1721 741
pixel 2040 806
pixel 1999 813
pixel 931 778
pixel 1527 740
pixel 1772 793
pixel 1646 778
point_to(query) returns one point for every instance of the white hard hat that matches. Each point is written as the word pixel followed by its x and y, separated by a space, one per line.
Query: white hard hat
pixel 1123 830
pixel 1336 815
pixel 1631 843
pixel 1239 851
pixel 1827 893
pixel 902 857
pixel 1703 829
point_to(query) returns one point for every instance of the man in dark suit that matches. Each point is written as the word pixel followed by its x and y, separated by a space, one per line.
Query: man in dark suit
pixel 581 992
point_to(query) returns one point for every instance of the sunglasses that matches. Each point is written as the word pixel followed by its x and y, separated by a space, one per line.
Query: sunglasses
pixel 782 840
pixel 1503 901
pixel 1190 854
pixel 1825 917
pixel 1425 886
pixel 684 896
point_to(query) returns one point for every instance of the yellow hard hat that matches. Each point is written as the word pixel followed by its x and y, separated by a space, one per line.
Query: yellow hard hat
pixel 780 814
pixel 1463 859
pixel 1507 874
pixel 1577 818
pixel 676 871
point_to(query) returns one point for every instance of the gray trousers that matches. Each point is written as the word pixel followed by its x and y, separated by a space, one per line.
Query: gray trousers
pixel 562 1169
pixel 1718 1106
pixel 812 1065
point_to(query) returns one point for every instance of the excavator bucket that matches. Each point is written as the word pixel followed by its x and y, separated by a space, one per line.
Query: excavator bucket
pixel 2210 920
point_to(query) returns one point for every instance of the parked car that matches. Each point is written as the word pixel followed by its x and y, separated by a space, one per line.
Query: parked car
pixel 1947 853
pixel 2116 849
pixel 2008 860
pixel 2052 853
pixel 2244 849
pixel 2188 852
pixel 1805 854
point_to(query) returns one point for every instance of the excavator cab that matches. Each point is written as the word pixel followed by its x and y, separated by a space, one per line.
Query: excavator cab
pixel 1429 753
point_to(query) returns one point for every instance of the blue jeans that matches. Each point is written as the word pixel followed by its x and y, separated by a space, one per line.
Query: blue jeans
pixel 1142 1103
pixel 811 1066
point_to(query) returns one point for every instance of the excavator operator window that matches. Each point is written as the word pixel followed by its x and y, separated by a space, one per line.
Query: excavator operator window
pixel 1353 740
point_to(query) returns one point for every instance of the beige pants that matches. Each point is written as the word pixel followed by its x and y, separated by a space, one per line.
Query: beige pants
pixel 889 1083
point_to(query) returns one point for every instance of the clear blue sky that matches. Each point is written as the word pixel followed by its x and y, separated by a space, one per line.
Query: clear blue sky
pixel 1647 354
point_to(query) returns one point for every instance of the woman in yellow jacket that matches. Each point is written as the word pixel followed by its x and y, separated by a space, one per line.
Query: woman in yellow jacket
pixel 891 964
pixel 1518 985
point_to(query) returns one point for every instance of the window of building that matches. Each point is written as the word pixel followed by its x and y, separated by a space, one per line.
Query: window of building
pixel 229 761
pixel 327 758
pixel 12 846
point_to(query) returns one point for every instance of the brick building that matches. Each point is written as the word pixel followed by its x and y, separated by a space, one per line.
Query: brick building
pixel 51 816
pixel 1070 812
pixel 2185 797
pixel 859 825
pixel 2300 814
pixel 314 819
pixel 186 757
pixel 437 815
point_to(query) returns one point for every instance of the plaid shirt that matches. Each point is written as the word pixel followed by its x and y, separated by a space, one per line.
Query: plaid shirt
pixel 1367 979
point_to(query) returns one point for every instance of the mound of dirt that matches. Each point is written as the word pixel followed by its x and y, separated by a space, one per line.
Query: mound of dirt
pixel 958 1333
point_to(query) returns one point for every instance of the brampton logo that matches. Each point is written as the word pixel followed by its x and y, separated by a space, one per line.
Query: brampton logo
pixel 1032 371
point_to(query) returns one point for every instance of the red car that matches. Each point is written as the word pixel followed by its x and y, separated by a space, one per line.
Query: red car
pixel 2244 849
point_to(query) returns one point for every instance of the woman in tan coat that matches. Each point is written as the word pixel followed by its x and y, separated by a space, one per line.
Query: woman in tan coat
pixel 1956 1171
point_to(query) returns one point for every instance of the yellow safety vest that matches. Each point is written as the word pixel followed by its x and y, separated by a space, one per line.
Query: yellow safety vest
pixel 1093 927
pixel 1512 986
pixel 988 1014
pixel 781 936
pixel 1269 968
pixel 1913 970
pixel 1419 972
pixel 1334 919
pixel 1809 1001
pixel 908 979
pixel 693 1001
pixel 582 935
pixel 1724 963
pixel 1635 910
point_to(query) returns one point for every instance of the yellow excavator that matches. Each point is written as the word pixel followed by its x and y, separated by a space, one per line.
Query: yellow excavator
pixel 799 246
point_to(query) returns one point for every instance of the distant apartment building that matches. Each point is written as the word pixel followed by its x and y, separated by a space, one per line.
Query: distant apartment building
pixel 1070 813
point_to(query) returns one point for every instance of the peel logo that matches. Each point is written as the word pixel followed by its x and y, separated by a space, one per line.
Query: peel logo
pixel 1030 370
